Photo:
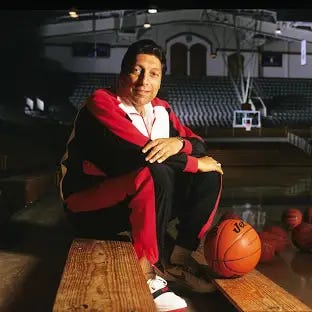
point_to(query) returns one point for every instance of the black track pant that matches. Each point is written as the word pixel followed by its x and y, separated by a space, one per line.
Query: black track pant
pixel 144 202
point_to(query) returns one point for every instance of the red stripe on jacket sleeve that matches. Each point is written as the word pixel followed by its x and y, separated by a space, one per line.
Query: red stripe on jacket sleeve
pixel 191 164
pixel 187 148
pixel 103 105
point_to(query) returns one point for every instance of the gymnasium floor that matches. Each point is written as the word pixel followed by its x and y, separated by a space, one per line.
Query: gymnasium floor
pixel 31 262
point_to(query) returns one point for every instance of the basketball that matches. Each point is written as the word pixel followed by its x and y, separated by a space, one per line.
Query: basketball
pixel 307 216
pixel 292 217
pixel 278 230
pixel 302 236
pixel 279 235
pixel 267 251
pixel 232 248
pixel 268 237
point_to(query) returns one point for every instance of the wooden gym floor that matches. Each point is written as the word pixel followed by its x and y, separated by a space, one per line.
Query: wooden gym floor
pixel 33 254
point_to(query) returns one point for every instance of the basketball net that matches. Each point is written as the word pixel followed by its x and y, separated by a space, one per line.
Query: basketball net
pixel 247 123
pixel 247 126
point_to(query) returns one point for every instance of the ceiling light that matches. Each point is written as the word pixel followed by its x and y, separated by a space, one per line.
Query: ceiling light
pixel 152 10
pixel 278 31
pixel 147 25
pixel 73 13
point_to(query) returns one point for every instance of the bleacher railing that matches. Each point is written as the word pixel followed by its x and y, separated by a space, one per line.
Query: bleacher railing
pixel 299 142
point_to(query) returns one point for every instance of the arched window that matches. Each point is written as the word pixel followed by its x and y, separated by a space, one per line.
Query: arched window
pixel 178 59
pixel 198 55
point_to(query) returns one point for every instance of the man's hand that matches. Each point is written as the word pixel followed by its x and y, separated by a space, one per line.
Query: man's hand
pixel 160 149
pixel 207 163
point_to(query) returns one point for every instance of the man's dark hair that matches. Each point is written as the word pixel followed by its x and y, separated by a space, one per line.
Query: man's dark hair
pixel 145 46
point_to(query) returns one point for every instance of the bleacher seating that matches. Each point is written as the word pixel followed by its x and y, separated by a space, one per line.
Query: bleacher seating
pixel 87 83
pixel 210 101
pixel 206 101
pixel 288 100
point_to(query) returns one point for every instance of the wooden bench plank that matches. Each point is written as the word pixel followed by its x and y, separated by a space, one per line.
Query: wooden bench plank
pixel 256 292
pixel 103 276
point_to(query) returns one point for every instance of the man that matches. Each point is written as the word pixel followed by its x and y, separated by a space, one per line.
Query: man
pixel 131 165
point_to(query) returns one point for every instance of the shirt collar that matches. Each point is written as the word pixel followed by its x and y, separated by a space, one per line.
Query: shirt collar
pixel 130 109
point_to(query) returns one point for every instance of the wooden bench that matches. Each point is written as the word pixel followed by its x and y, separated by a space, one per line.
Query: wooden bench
pixel 106 276
pixel 103 276
pixel 256 292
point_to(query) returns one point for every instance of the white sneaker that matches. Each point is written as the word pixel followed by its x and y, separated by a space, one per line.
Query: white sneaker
pixel 165 300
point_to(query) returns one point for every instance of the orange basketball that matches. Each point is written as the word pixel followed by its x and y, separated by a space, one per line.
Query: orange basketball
pixel 232 248
pixel 292 217
pixel 267 251
pixel 279 235
pixel 302 236
pixel 276 229
pixel 267 236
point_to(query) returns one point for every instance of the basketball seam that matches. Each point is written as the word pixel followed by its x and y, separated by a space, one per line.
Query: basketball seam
pixel 234 271
pixel 237 238
pixel 242 257
pixel 214 262
pixel 226 261
pixel 217 238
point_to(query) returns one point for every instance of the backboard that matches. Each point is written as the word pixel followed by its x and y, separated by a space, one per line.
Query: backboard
pixel 246 119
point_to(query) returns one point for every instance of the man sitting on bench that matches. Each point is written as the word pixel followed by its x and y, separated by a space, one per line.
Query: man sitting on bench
pixel 130 164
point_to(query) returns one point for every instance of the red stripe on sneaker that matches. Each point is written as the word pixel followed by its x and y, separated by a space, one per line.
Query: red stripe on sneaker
pixel 165 289
pixel 161 291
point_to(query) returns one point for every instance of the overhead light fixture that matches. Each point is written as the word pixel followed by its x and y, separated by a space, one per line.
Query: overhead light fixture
pixel 278 29
pixel 73 13
pixel 152 10
pixel 147 24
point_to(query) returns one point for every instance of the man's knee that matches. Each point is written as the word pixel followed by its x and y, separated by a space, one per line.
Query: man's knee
pixel 163 175
pixel 211 179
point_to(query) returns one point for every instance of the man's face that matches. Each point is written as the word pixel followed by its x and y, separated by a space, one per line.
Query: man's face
pixel 141 85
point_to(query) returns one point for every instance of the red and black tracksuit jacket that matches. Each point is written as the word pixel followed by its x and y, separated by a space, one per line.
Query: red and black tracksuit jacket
pixel 104 164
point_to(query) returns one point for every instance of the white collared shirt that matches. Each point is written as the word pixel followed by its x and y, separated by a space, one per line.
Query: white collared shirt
pixel 154 123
